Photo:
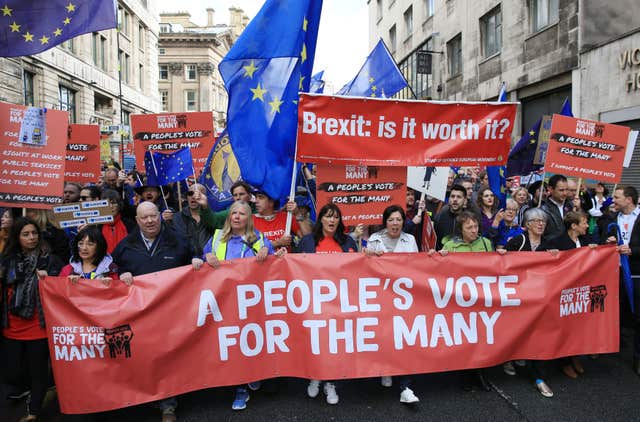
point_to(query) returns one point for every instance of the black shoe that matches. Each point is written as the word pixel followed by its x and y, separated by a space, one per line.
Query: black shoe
pixel 18 394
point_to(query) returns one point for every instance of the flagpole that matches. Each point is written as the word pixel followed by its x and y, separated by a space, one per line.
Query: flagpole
pixel 120 96
pixel 292 193
pixel 155 170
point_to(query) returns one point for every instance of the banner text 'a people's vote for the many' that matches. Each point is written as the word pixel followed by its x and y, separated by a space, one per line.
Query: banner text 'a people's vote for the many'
pixel 389 132
pixel 323 316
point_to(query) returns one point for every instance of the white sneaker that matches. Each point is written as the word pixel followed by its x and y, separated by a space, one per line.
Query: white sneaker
pixel 407 396
pixel 386 381
pixel 330 391
pixel 509 369
pixel 313 389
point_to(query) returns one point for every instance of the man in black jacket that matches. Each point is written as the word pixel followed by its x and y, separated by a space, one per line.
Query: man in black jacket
pixel 555 206
pixel 153 247
pixel 625 199
pixel 445 221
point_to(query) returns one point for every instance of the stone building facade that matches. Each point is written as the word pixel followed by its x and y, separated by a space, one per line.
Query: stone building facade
pixel 544 50
pixel 189 79
pixel 83 75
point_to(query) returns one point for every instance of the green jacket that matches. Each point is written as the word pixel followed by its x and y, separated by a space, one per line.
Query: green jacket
pixel 456 244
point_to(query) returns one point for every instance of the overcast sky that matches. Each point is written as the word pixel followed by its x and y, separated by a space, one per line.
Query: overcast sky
pixel 342 41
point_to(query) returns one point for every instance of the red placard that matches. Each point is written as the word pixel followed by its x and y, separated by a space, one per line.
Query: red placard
pixel 388 132
pixel 324 316
pixel 83 154
pixel 169 132
pixel 361 192
pixel 586 148
pixel 32 175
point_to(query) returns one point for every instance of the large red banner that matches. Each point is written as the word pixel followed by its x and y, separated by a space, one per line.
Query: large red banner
pixel 361 192
pixel 388 132
pixel 169 132
pixel 83 154
pixel 32 174
pixel 586 148
pixel 324 316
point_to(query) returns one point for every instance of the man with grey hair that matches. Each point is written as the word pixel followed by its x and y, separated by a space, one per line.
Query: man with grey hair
pixel 149 248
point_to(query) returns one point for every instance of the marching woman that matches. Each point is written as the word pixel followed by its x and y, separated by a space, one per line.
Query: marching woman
pixel 328 236
pixel 238 239
pixel 393 239
pixel 89 258
pixel 26 261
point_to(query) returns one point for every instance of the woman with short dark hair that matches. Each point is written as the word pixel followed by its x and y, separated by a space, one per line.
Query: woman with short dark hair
pixel 89 258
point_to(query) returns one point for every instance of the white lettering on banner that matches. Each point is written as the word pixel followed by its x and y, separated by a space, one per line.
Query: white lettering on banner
pixel 355 335
pixel 441 328
pixel 71 343
pixel 353 126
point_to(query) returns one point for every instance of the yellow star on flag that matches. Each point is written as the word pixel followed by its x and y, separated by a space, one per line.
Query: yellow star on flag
pixel 258 93
pixel 371 80
pixel 57 32
pixel 249 70
pixel 67 21
pixel 374 88
pixel 44 40
pixel 532 132
pixel 28 37
pixel 305 22
pixel 6 11
pixel 15 27
pixel 373 95
pixel 70 7
pixel 275 105
pixel 303 54
pixel 300 87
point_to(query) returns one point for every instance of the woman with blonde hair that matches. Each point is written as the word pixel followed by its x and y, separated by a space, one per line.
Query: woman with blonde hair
pixel 238 239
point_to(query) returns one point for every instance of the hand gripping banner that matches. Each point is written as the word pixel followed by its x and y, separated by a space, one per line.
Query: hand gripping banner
pixel 324 316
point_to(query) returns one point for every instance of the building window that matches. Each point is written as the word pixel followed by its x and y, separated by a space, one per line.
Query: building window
pixel 392 39
pixel 165 28
pixel 164 72
pixel 378 10
pixel 408 22
pixel 190 72
pixel 543 13
pixel 69 45
pixel 141 76
pixel 68 102
pixel 123 21
pixel 454 53
pixel 428 7
pixel 124 66
pixel 491 32
pixel 190 100
pixel 29 97
pixel 161 51
pixel 420 83
pixel 164 96
pixel 141 37
pixel 98 48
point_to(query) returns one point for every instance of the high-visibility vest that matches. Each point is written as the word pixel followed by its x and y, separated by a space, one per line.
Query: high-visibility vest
pixel 219 248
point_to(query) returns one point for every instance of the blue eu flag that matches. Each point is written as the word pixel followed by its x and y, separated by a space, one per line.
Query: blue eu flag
pixel 163 169
pixel 220 173
pixel 521 156
pixel 317 84
pixel 33 26
pixel 263 72
pixel 496 174
pixel 379 76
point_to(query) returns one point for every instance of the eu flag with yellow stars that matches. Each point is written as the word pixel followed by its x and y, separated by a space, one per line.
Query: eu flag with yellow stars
pixel 379 76
pixel 163 169
pixel 521 156
pixel 263 73
pixel 32 26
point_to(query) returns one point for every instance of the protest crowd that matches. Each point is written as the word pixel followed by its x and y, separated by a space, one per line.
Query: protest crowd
pixel 130 234
pixel 154 229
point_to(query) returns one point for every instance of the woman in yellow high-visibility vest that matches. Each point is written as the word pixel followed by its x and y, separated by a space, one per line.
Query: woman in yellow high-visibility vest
pixel 238 239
